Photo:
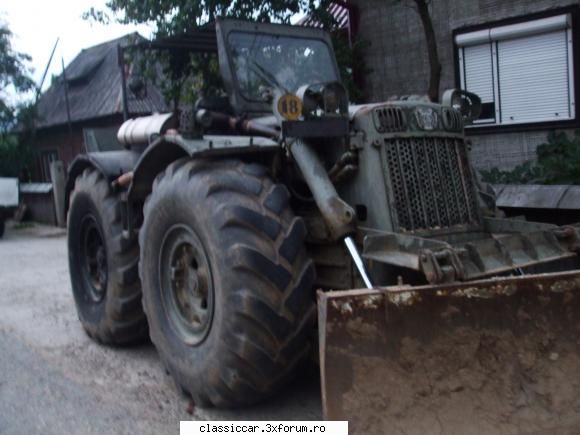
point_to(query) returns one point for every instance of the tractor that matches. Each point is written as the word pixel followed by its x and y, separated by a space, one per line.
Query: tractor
pixel 277 218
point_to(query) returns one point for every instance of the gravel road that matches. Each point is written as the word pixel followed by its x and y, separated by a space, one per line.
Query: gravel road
pixel 55 380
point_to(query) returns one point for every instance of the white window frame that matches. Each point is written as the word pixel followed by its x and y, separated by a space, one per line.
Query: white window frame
pixel 494 35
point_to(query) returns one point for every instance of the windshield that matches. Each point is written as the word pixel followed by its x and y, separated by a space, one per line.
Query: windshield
pixel 263 62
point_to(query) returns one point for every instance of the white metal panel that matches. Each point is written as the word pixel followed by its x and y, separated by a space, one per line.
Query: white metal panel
pixel 544 25
pixel 495 82
pixel 533 78
pixel 571 83
pixel 478 71
pixel 528 28
pixel 8 192
pixel 477 74
pixel 140 130
pixel 472 38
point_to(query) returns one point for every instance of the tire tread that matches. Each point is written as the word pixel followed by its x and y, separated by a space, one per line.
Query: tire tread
pixel 123 320
pixel 273 303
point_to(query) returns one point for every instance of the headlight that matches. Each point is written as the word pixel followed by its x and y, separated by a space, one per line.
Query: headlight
pixel 323 99
pixel 427 118
pixel 467 103
pixel 310 96
pixel 334 99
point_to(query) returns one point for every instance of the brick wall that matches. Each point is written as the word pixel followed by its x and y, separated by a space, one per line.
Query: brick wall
pixel 398 61
pixel 68 144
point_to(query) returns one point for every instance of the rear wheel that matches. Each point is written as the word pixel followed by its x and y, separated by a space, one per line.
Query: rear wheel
pixel 227 284
pixel 103 264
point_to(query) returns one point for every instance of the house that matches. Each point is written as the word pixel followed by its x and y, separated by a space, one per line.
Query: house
pixel 83 108
pixel 521 56
pixel 341 14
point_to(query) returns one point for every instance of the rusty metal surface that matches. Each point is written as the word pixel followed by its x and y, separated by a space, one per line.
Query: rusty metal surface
pixel 488 357
pixel 521 244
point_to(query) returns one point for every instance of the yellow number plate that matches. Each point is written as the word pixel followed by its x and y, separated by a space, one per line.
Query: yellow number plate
pixel 290 107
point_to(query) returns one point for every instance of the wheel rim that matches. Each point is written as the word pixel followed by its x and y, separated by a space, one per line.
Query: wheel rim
pixel 93 259
pixel 186 284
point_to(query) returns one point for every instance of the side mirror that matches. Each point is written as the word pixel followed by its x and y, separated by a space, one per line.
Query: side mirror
pixel 467 103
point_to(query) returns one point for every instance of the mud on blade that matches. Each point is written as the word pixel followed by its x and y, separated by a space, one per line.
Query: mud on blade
pixel 497 356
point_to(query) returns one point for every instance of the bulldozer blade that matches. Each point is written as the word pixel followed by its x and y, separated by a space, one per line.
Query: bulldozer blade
pixel 496 356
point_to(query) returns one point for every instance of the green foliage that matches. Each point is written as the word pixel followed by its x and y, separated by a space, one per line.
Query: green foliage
pixel 16 146
pixel 558 162
pixel 15 151
pixel 185 77
pixel 12 160
pixel 349 53
pixel 182 77
pixel 13 75
pixel 349 57
pixel 23 225
pixel 178 16
pixel 526 173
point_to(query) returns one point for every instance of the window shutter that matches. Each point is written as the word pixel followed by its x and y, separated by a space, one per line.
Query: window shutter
pixel 478 71
pixel 533 78
pixel 478 74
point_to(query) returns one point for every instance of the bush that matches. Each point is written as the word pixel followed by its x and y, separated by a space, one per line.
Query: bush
pixel 14 156
pixel 558 162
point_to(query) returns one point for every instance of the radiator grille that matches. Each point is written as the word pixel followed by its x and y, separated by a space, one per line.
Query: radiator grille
pixel 430 183
pixel 389 120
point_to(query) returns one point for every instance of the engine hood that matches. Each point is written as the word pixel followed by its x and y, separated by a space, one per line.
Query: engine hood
pixel 406 117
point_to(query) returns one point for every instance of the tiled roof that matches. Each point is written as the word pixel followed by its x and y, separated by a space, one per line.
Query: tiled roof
pixel 338 11
pixel 94 88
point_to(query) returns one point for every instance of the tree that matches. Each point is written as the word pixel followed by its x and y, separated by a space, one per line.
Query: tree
pixel 432 52
pixel 14 77
pixel 178 16
pixel 183 76
pixel 422 9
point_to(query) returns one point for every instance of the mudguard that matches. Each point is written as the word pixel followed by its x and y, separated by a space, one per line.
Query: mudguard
pixel 170 147
pixel 111 164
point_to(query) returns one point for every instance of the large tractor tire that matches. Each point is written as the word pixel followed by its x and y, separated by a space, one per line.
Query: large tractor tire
pixel 227 283
pixel 2 226
pixel 103 264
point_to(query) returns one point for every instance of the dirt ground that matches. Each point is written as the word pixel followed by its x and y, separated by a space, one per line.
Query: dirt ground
pixel 55 380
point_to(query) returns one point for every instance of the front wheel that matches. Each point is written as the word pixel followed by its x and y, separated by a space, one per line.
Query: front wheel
pixel 227 284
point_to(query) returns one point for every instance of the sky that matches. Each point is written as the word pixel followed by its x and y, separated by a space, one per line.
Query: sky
pixel 36 24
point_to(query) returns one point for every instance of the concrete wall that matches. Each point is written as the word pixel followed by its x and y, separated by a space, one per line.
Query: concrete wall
pixel 40 207
pixel 397 57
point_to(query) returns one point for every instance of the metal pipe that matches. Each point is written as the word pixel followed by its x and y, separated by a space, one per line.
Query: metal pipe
pixel 39 88
pixel 217 119
pixel 121 62
pixel 252 126
pixel 338 215
pixel 68 117
pixel 358 261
